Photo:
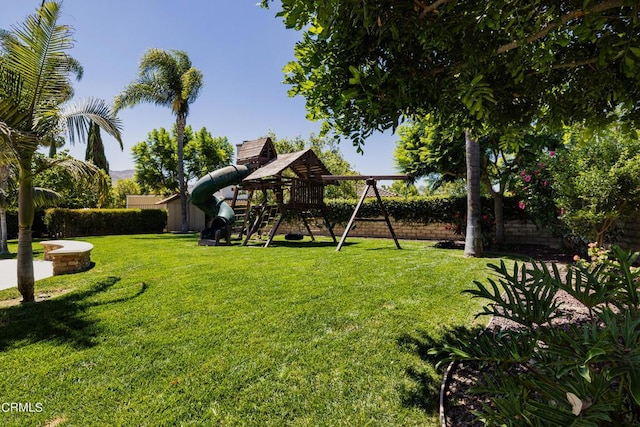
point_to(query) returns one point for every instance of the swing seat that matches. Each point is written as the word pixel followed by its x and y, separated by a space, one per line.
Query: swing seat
pixel 294 236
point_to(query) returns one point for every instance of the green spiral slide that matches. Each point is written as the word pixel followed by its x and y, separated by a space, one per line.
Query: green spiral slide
pixel 202 196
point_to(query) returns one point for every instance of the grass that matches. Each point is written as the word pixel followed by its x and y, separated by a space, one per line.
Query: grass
pixel 164 332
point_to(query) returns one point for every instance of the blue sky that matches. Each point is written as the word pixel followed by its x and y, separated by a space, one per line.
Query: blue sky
pixel 239 47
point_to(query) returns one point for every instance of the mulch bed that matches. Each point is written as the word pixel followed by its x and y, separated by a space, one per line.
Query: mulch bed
pixel 459 404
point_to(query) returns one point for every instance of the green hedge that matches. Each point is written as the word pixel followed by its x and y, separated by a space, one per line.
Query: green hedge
pixel 100 222
pixel 38 229
pixel 419 210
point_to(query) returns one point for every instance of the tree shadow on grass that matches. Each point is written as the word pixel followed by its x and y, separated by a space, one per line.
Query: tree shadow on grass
pixel 423 387
pixel 63 320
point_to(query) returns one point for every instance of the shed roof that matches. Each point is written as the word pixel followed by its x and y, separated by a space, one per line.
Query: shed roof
pixel 305 164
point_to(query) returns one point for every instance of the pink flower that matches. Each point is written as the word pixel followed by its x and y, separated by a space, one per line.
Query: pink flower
pixel 521 205
pixel 545 183
pixel 561 211
pixel 576 258
pixel 523 173
pixel 527 178
pixel 552 153
pixel 536 172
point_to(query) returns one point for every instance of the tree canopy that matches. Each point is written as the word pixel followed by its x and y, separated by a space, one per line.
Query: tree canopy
pixel 480 67
pixel 156 158
pixel 364 66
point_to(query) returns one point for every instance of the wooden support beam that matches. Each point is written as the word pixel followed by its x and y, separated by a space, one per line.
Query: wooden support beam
pixel 366 177
pixel 371 183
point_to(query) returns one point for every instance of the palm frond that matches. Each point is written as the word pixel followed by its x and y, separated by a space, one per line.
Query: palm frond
pixel 37 53
pixel 192 82
pixel 44 197
pixel 81 171
pixel 77 117
pixel 139 92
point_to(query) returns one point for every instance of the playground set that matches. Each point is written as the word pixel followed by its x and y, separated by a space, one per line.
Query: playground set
pixel 269 188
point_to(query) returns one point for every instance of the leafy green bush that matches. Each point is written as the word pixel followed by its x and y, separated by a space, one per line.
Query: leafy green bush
pixel 37 229
pixel 100 222
pixel 585 374
pixel 418 210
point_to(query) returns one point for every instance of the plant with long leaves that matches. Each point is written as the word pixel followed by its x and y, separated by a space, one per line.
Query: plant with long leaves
pixel 544 373
pixel 35 89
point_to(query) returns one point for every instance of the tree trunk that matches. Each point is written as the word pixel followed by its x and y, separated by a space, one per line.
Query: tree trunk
pixel 4 247
pixel 498 212
pixel 26 279
pixel 498 206
pixel 181 121
pixel 473 238
pixel 4 176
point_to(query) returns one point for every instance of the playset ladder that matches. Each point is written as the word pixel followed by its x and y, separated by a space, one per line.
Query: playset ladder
pixel 267 216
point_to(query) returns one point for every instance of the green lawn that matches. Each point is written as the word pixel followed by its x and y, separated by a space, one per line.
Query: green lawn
pixel 164 332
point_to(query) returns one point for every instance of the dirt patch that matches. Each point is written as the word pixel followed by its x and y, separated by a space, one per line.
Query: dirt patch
pixel 42 296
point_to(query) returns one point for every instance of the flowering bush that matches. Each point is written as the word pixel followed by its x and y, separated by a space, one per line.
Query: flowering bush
pixel 536 194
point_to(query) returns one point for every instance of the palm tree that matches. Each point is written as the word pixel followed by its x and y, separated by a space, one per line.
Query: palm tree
pixel 34 89
pixel 166 79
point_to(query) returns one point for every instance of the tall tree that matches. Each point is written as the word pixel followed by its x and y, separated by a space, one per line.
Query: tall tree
pixel 167 79
pixel 95 148
pixel 156 160
pixel 424 149
pixel 35 86
pixel 490 66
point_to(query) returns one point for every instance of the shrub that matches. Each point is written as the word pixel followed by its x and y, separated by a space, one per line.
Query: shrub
pixel 417 210
pixel 38 229
pixel 584 374
pixel 99 222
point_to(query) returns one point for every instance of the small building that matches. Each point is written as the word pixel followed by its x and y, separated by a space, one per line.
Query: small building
pixel 195 217
pixel 143 201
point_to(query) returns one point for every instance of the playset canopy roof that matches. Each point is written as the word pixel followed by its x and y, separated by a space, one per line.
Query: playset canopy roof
pixel 305 164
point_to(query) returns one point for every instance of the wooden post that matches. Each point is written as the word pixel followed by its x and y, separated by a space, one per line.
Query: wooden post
pixel 384 212
pixel 353 218
pixel 371 183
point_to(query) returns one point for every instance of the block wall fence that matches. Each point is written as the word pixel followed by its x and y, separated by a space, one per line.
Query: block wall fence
pixel 517 232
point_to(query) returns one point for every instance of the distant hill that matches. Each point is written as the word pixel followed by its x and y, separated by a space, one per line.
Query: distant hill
pixel 118 175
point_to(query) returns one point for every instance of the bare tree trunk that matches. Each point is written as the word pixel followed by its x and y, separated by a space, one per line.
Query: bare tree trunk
pixel 180 125
pixel 4 176
pixel 473 238
pixel 4 247
pixel 498 207
pixel 498 212
pixel 26 280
